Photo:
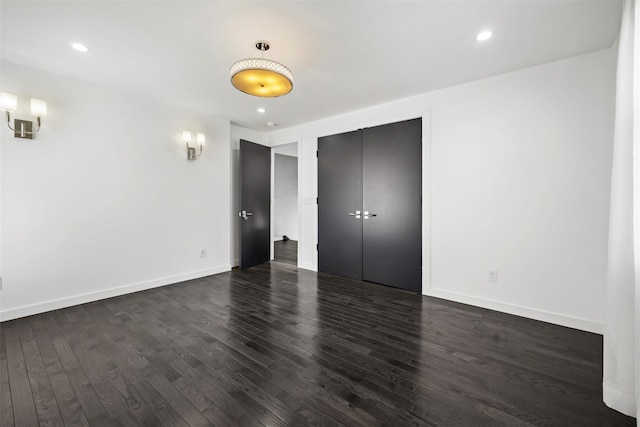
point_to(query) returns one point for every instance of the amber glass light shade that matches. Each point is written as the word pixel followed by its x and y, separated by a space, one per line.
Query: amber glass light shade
pixel 261 77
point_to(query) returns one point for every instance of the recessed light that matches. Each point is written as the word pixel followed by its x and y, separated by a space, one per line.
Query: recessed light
pixel 261 110
pixel 484 35
pixel 80 47
pixel 272 124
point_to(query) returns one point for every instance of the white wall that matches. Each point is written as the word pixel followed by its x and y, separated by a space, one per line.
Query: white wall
pixel 516 174
pixel 103 201
pixel 517 167
pixel 285 196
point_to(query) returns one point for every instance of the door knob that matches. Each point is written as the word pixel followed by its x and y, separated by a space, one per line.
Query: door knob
pixel 357 214
pixel 244 215
pixel 367 214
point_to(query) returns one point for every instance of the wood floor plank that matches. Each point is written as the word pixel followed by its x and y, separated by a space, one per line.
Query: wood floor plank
pixel 6 407
pixel 219 352
pixel 22 398
pixel 164 411
pixel 122 388
pixel 70 407
pixel 89 401
pixel 177 401
pixel 45 401
pixel 115 405
pixel 275 345
pixel 192 393
pixel 86 394
pixel 69 404
pixel 286 251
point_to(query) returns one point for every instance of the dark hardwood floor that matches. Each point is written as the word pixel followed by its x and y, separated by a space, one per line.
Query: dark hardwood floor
pixel 286 251
pixel 278 346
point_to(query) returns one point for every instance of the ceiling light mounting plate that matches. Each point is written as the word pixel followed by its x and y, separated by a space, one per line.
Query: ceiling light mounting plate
pixel 262 45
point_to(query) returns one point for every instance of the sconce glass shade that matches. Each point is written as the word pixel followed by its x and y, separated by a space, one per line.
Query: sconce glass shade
pixel 186 136
pixel 8 102
pixel 38 108
pixel 191 151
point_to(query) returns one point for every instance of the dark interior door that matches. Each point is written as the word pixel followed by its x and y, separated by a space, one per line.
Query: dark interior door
pixel 370 204
pixel 392 191
pixel 339 202
pixel 255 216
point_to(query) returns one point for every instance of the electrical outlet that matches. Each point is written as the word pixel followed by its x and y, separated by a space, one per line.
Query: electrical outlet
pixel 493 275
pixel 203 253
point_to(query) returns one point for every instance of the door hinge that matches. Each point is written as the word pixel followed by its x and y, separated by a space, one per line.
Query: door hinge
pixel 316 246
pixel 317 200
pixel 317 154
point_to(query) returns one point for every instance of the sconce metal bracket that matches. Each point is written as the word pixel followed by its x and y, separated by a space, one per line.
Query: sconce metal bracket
pixel 24 129
pixel 191 153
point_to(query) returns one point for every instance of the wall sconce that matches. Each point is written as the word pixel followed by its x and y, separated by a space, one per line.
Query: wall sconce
pixel 22 128
pixel 191 151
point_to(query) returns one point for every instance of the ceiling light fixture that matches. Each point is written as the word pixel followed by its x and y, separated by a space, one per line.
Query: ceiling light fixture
pixel 80 47
pixel 484 35
pixel 261 77
pixel 261 110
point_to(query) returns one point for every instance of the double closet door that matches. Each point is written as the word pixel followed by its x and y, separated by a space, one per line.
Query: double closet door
pixel 370 204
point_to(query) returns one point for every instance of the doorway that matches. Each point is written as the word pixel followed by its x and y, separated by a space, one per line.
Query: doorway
pixel 284 205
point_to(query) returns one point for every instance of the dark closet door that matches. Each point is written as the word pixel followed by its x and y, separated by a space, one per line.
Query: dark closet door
pixel 370 204
pixel 339 204
pixel 255 217
pixel 392 189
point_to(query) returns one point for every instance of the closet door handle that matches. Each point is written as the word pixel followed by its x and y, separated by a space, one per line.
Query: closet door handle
pixel 367 214
pixel 357 214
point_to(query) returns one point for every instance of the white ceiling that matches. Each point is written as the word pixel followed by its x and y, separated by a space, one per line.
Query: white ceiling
pixel 345 55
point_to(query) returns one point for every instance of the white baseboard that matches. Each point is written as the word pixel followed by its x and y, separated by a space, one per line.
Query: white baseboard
pixel 306 266
pixel 558 319
pixel 235 263
pixel 28 310
pixel 528 312
pixel 619 400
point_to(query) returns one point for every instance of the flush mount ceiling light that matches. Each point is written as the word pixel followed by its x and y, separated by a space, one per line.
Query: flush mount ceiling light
pixel 80 47
pixel 261 77
pixel 484 35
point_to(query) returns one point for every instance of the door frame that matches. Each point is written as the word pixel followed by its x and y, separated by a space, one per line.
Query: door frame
pixel 274 145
